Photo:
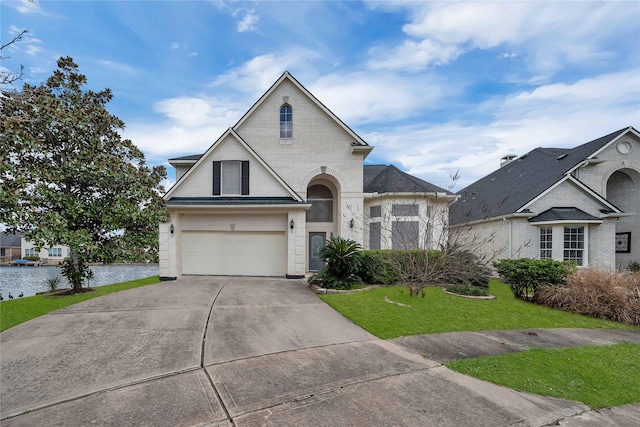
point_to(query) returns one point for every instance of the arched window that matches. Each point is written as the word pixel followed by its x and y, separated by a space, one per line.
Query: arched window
pixel 286 122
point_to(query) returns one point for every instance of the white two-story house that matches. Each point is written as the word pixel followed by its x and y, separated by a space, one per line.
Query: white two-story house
pixel 265 197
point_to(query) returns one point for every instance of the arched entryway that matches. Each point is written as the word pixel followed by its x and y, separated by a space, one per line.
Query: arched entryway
pixel 622 191
pixel 323 195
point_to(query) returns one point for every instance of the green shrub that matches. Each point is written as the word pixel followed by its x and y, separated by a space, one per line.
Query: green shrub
pixel 470 290
pixel 343 260
pixel 525 276
pixel 463 267
pixel 52 282
pixel 32 258
pixel 375 268
pixel 634 266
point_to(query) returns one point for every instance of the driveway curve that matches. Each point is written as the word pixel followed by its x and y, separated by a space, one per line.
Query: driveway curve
pixel 235 351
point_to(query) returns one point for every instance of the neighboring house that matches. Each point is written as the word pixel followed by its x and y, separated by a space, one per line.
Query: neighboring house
pixel 10 246
pixel 54 255
pixel 580 204
pixel 263 199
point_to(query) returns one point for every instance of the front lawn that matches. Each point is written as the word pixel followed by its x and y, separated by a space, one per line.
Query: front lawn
pixel 598 376
pixel 391 312
pixel 20 310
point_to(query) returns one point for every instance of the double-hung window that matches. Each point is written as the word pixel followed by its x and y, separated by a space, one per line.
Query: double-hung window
pixel 231 178
pixel 574 244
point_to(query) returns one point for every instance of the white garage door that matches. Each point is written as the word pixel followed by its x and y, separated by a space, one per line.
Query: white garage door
pixel 234 253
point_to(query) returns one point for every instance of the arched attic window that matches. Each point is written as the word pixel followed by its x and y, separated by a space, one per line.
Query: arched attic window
pixel 286 121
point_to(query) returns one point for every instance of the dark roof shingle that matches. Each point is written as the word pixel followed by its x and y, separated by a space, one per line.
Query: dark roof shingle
pixel 507 189
pixel 390 179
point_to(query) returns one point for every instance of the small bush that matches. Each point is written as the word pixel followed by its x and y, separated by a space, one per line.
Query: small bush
pixel 634 266
pixel 525 276
pixel 602 294
pixel 470 290
pixel 463 267
pixel 52 282
pixel 343 260
pixel 375 268
pixel 32 258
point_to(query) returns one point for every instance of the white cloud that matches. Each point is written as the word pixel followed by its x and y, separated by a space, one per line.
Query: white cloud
pixel 28 6
pixel 175 45
pixel 249 22
pixel 414 55
pixel 555 115
pixel 549 34
pixel 190 125
pixel 364 97
pixel 256 75
pixel 119 67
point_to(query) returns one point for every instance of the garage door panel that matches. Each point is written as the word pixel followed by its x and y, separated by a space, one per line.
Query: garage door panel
pixel 234 253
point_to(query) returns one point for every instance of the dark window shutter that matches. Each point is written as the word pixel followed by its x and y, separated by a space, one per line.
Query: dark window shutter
pixel 245 178
pixel 216 178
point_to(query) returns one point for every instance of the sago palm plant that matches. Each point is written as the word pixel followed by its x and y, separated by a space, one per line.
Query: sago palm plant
pixel 343 263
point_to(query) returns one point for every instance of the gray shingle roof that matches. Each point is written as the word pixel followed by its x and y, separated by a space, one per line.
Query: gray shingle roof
pixel 563 214
pixel 8 240
pixel 507 189
pixel 194 157
pixel 390 179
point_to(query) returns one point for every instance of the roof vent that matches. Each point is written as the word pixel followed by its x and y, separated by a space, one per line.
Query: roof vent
pixel 505 160
pixel 561 156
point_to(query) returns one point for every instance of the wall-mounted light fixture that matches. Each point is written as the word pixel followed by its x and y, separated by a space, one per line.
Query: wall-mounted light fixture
pixel 351 223
pixel 291 224
pixel 171 228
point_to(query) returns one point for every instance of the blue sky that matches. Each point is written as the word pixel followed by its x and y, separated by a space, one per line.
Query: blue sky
pixel 436 87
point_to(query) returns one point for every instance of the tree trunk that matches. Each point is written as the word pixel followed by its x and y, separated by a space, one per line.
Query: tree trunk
pixel 75 278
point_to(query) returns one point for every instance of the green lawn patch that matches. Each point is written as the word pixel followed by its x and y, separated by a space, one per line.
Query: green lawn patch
pixel 20 310
pixel 598 376
pixel 391 312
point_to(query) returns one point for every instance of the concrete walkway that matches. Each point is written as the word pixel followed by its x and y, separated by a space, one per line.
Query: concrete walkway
pixel 222 351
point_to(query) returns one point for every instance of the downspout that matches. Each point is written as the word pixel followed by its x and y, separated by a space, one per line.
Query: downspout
pixel 510 233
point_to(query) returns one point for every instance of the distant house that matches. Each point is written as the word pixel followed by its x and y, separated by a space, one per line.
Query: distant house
pixel 265 197
pixel 10 246
pixel 53 255
pixel 580 204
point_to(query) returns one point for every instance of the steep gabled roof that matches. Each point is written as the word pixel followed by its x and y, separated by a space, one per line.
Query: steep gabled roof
pixel 390 179
pixel 200 158
pixel 357 141
pixel 510 188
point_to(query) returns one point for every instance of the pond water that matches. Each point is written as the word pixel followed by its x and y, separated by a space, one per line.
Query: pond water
pixel 33 279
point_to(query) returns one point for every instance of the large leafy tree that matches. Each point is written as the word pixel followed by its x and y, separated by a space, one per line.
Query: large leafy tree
pixel 69 178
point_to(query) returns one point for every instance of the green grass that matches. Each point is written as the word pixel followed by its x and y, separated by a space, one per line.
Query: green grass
pixel 597 376
pixel 439 312
pixel 16 311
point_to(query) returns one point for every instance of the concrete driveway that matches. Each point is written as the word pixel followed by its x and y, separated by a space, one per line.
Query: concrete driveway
pixel 224 351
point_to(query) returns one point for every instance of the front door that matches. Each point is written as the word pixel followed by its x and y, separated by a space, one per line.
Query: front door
pixel 316 243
